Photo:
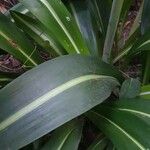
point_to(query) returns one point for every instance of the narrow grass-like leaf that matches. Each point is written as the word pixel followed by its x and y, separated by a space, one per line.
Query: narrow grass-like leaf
pixel 55 16
pixel 15 42
pixel 111 30
pixel 128 46
pixel 50 95
pixel 66 137
pixel 38 32
pixel 145 92
pixel 118 123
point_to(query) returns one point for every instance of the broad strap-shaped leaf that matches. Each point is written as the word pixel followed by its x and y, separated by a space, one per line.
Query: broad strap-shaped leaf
pixel 126 129
pixel 51 94
pixel 111 30
pixel 145 92
pixel 54 15
pixel 99 143
pixel 102 10
pixel 38 32
pixel 130 88
pixel 145 27
pixel 15 42
pixel 86 23
pixel 136 106
pixel 66 137
pixel 145 22
pixel 126 123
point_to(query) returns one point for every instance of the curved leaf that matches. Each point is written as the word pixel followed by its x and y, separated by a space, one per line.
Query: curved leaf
pixel 38 32
pixel 5 78
pixel 130 88
pixel 50 95
pixel 99 144
pixel 87 26
pixel 56 18
pixel 14 42
pixel 118 123
pixel 66 137
pixel 145 92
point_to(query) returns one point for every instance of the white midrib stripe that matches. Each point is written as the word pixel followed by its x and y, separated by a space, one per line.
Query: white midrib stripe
pixel 122 54
pixel 52 11
pixel 145 93
pixel 122 130
pixel 146 42
pixel 49 95
pixel 5 79
pixel 41 34
pixel 99 142
pixel 28 58
pixel 62 143
pixel 135 111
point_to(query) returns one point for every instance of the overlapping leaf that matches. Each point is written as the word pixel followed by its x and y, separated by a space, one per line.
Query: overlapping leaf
pixel 66 137
pixel 99 143
pixel 88 26
pixel 130 88
pixel 145 92
pixel 126 123
pixel 58 20
pixel 15 42
pixel 39 33
pixel 5 78
pixel 50 95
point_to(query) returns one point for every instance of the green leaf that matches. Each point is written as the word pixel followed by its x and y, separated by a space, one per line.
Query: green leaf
pixel 99 144
pixel 145 92
pixel 141 45
pixel 19 8
pixel 128 45
pixel 38 32
pixel 5 78
pixel 51 94
pixel 130 88
pixel 118 120
pixel 66 137
pixel 145 22
pixel 145 26
pixel 87 26
pixel 58 20
pixel 111 30
pixel 102 10
pixel 15 42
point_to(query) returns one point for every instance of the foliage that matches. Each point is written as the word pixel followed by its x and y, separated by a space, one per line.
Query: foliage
pixel 52 103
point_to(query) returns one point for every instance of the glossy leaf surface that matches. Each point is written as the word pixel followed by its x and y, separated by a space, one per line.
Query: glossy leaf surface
pixel 50 95
pixel 57 19
pixel 15 42
pixel 66 137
